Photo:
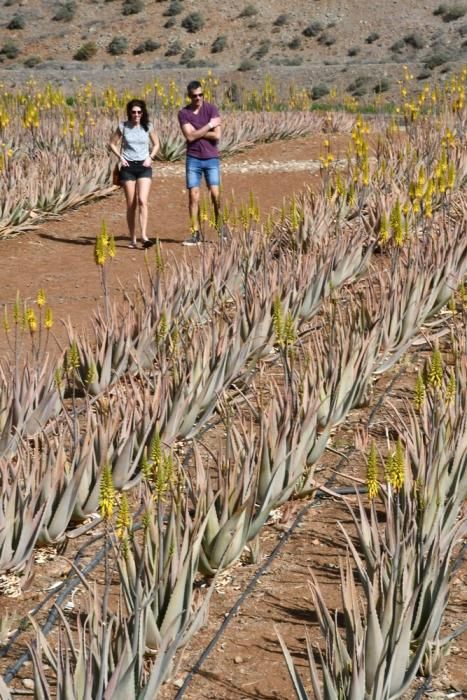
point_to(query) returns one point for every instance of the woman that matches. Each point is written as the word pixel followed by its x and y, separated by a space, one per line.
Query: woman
pixel 138 149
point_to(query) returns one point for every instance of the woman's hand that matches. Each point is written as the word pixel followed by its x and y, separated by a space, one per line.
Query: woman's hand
pixel 123 162
pixel 147 162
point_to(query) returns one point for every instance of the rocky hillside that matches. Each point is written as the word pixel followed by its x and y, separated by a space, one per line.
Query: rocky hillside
pixel 351 44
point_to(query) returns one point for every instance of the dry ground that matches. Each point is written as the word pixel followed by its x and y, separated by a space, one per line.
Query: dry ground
pixel 246 662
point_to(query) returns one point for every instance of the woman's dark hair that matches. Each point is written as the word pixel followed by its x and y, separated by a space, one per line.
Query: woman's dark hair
pixel 144 112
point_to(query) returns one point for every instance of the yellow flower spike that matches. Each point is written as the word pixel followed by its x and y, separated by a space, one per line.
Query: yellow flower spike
pixel 17 312
pixel 372 473
pixel 158 259
pixel 100 249
pixel 451 388
pixel 435 372
pixel 58 377
pixel 278 321
pixel 420 392
pixel 162 328
pixel 106 494
pixel 72 356
pixel 31 320
pixel 48 319
pixel 146 466
pixel 155 450
pixel 388 467
pixel 290 330
pixel 383 229
pixel 6 324
pixel 398 467
pixel 123 522
pixel 40 299
pixel 91 375
pixel 111 247
pixel 451 178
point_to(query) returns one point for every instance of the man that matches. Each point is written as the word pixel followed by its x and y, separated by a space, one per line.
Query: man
pixel 200 123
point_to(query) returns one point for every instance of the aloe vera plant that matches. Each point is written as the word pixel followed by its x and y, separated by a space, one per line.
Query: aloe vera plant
pixel 157 573
pixel 106 661
pixel 21 518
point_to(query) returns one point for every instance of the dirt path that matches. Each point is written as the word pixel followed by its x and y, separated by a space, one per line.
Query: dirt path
pixel 58 255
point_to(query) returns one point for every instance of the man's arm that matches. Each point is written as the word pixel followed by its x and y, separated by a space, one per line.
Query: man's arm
pixel 210 131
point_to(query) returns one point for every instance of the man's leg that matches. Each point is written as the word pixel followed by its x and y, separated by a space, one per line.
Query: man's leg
pixel 215 193
pixel 193 205
pixel 193 182
pixel 213 181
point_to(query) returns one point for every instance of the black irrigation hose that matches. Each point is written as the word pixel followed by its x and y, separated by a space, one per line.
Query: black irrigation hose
pixel 53 613
pixel 314 503
pixel 4 650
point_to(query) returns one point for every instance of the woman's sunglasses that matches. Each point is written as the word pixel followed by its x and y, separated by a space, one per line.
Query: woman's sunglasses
pixel 136 111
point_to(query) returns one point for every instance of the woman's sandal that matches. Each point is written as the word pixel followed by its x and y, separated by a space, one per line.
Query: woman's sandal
pixel 148 244
pixel 133 246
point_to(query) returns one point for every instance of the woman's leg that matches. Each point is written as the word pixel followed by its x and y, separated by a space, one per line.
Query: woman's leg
pixel 143 187
pixel 129 187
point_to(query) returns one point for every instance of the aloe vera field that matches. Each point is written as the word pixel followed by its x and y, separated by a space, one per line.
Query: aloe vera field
pixel 235 471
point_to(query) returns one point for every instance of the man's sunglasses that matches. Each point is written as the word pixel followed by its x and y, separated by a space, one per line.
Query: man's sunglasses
pixel 197 94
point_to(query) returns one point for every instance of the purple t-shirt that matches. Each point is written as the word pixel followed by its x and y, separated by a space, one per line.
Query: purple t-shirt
pixel 201 148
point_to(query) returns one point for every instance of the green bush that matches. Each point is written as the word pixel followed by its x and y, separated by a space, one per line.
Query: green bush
pixel 117 46
pixel 198 63
pixel 358 87
pixel 440 10
pixel 353 51
pixel 435 60
pixel 86 51
pixel 319 91
pixel 313 29
pixel 295 43
pixel 415 40
pixel 188 55
pixel 193 22
pixel 175 8
pixel 248 11
pixel 397 46
pixel 454 12
pixel 132 7
pixel 219 44
pixel 10 49
pixel 262 50
pixel 327 39
pixel 65 12
pixel 174 48
pixel 32 61
pixel 424 75
pixel 16 22
pixel 148 45
pixel 281 20
pixel 246 65
pixel 170 23
pixel 382 85
pixel 372 37
pixel 287 61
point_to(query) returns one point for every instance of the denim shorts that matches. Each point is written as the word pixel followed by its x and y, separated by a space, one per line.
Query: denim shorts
pixel 196 167
pixel 134 171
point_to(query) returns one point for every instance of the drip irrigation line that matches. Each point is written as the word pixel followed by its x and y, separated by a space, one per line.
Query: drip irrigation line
pixel 316 502
pixel 4 650
pixel 66 590
pixel 73 583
